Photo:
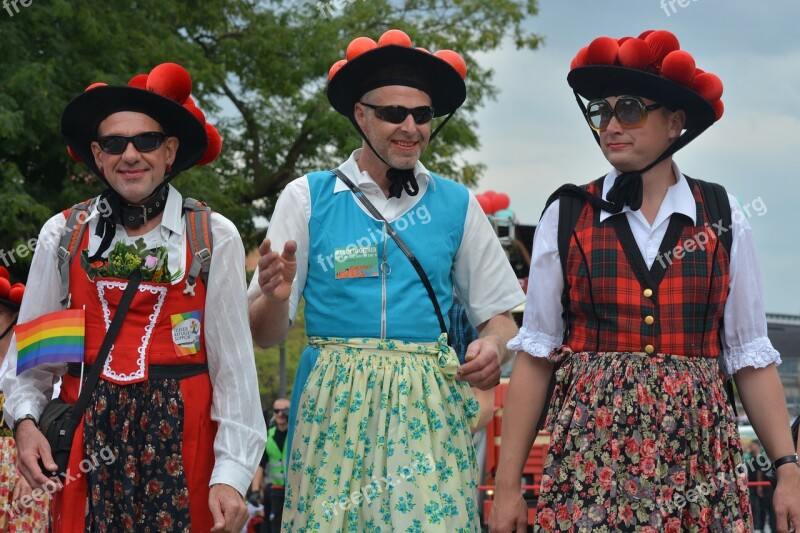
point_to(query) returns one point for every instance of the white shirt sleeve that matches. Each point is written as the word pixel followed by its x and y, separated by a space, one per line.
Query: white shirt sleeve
pixel 30 392
pixel 290 223
pixel 542 324
pixel 745 342
pixel 482 275
pixel 236 405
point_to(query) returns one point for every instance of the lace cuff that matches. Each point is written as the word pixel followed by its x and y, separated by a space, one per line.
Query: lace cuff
pixel 535 343
pixel 758 354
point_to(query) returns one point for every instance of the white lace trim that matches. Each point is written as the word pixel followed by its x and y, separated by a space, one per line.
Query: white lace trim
pixel 534 343
pixel 758 354
pixel 140 362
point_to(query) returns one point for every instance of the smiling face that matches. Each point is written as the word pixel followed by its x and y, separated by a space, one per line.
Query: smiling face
pixel 400 145
pixel 634 148
pixel 133 174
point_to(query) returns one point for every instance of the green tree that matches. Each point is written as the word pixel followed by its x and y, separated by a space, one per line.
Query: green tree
pixel 259 69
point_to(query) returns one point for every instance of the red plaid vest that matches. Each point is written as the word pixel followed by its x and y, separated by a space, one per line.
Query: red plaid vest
pixel 617 304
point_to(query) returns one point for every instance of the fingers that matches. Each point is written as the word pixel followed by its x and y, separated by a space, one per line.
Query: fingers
pixel 227 509
pixel 482 368
pixel 289 251
pixel 265 247
pixel 216 514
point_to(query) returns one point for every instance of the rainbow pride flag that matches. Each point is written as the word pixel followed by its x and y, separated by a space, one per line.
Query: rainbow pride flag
pixel 51 338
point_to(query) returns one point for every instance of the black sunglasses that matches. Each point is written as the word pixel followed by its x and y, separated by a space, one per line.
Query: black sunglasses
pixel 631 112
pixel 284 412
pixel 143 142
pixel 396 114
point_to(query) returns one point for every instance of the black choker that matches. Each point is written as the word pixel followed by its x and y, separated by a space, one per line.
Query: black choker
pixel 135 216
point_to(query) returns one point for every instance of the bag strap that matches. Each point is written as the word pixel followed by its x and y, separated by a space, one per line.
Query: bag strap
pixel 400 243
pixel 70 239
pixel 197 216
pixel 715 198
pixel 102 355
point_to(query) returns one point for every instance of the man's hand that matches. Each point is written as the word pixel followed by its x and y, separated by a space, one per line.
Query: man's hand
pixel 509 513
pixel 276 272
pixel 21 488
pixel 228 509
pixel 31 447
pixel 482 368
pixel 786 499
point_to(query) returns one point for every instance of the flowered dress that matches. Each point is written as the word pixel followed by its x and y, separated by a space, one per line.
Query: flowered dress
pixel 16 518
pixel 643 438
pixel 379 426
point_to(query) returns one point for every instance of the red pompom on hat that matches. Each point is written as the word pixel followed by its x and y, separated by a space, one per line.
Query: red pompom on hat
pixel 486 203
pixel 198 114
pixel 679 67
pixel 96 84
pixel 73 155
pixel 455 60
pixel 635 53
pixel 398 37
pixel 581 58
pixel 214 145
pixel 644 34
pixel 5 287
pixel 335 68
pixel 358 46
pixel 719 109
pixel 708 85
pixel 662 42
pixel 170 80
pixel 603 51
pixel 10 295
pixel 139 81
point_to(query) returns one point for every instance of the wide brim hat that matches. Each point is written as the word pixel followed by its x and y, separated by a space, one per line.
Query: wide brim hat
pixel 393 61
pixel 651 66
pixel 163 95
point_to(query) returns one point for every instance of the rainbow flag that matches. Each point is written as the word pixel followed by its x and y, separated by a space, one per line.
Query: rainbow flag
pixel 51 338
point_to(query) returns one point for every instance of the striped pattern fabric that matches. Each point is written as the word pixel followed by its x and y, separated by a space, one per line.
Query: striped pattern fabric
pixel 618 304
pixel 51 338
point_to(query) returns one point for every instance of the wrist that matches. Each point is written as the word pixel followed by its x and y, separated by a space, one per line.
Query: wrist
pixel 22 420
pixel 787 463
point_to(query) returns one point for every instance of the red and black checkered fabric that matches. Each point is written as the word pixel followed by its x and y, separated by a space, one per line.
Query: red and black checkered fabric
pixel 608 281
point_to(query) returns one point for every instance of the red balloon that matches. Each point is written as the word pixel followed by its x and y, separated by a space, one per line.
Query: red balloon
pixel 500 201
pixel 486 203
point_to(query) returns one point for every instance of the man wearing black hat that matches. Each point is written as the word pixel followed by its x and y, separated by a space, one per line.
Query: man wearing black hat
pixel 172 433
pixel 643 435
pixel 379 423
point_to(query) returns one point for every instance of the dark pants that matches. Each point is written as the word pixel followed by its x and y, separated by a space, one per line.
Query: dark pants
pixel 273 510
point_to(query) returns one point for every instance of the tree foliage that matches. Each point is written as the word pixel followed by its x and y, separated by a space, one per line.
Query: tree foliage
pixel 259 70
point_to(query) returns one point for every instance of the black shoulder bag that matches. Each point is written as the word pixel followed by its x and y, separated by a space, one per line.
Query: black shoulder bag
pixel 400 243
pixel 59 420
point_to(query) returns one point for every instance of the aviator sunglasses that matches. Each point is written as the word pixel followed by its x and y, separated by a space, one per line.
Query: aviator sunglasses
pixel 143 142
pixel 631 112
pixel 396 114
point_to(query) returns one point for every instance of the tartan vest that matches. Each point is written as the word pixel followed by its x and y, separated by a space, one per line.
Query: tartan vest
pixel 617 304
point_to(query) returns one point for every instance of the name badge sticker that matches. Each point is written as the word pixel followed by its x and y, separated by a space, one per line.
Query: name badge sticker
pixel 186 332
pixel 356 262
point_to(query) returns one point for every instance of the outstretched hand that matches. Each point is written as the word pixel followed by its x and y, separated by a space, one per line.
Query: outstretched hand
pixel 277 271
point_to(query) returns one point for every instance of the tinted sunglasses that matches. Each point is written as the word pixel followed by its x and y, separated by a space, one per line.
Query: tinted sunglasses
pixel 631 112
pixel 143 142
pixel 396 114
pixel 284 412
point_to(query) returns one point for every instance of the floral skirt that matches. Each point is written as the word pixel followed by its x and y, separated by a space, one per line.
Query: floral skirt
pixel 641 443
pixel 133 435
pixel 17 517
pixel 382 441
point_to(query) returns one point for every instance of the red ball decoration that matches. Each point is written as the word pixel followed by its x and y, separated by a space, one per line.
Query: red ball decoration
pixel 398 37
pixel 485 203
pixel 139 81
pixel 170 80
pixel 678 66
pixel 719 109
pixel 189 101
pixel 489 194
pixel 198 114
pixel 335 68
pixel 214 145
pixel 5 288
pixel 622 40
pixel 4 272
pixel 96 84
pixel 500 201
pixel 16 292
pixel 455 60
pixel 358 46
pixel 644 34
pixel 635 53
pixel 73 155
pixel 603 51
pixel 423 49
pixel 662 42
pixel 581 58
pixel 708 85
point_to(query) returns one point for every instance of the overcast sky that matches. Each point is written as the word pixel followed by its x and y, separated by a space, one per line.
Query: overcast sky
pixel 534 138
